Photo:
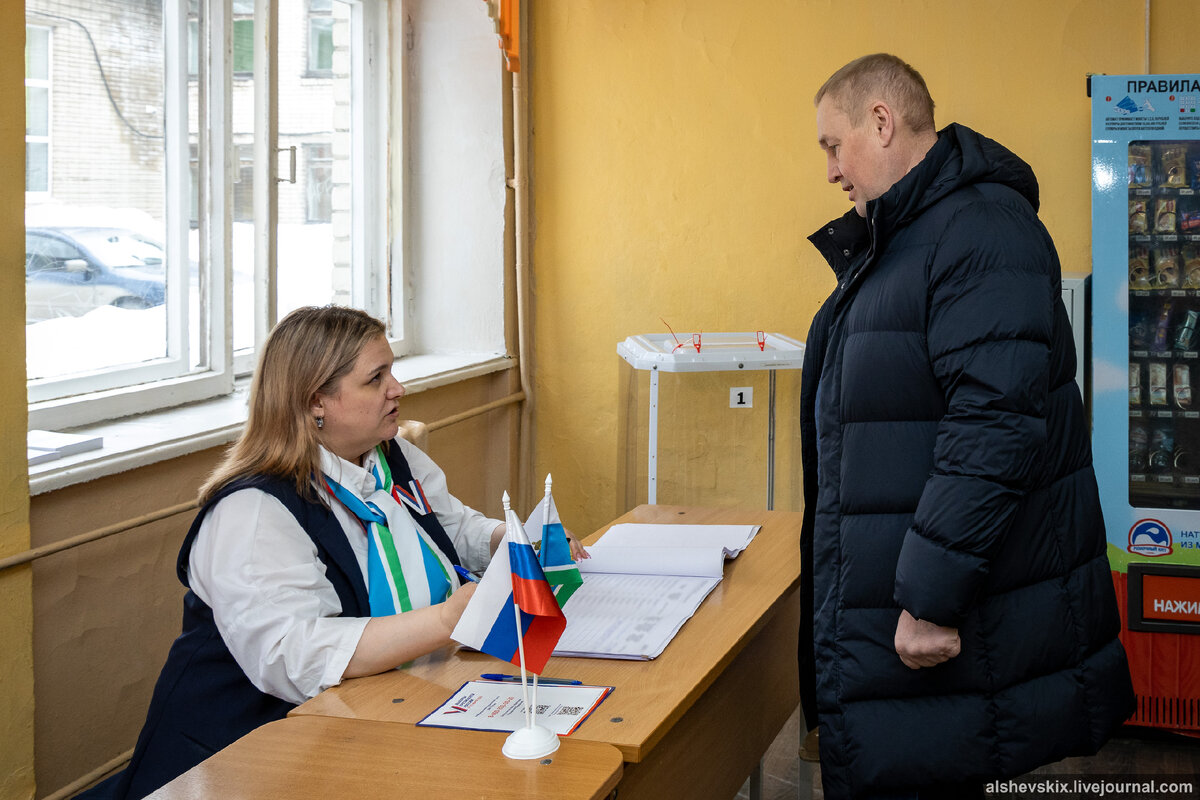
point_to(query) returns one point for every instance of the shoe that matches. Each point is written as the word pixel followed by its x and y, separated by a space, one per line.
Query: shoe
pixel 810 749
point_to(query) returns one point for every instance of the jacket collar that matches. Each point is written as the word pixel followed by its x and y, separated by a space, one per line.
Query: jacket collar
pixel 959 158
pixel 842 242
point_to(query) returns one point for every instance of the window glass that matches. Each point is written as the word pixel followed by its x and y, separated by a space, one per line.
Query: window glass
pixel 243 46
pixel 37 53
pixel 37 108
pixel 320 44
pixel 318 176
pixel 100 214
pixel 316 213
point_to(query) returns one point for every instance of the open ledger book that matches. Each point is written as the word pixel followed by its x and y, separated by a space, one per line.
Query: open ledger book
pixel 642 583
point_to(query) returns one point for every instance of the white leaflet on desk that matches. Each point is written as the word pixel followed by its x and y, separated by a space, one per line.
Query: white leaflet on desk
pixel 733 539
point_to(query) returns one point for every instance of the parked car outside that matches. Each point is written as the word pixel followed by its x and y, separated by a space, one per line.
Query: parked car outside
pixel 72 270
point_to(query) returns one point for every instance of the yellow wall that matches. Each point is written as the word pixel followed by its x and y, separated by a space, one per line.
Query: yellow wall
pixel 16 653
pixel 676 176
pixel 16 650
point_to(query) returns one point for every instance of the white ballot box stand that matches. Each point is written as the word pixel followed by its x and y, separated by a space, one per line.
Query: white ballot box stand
pixel 717 352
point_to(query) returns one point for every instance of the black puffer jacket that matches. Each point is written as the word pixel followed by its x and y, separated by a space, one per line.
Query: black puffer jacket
pixel 955 480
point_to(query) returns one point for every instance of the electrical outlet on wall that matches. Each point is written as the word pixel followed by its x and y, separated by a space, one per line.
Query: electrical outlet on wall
pixel 741 397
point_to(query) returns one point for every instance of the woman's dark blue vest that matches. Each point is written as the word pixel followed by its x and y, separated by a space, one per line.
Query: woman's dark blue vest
pixel 203 701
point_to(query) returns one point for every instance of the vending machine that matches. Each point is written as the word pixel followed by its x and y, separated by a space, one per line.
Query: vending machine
pixel 1146 377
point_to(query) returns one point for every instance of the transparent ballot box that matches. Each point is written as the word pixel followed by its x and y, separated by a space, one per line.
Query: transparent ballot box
pixel 700 410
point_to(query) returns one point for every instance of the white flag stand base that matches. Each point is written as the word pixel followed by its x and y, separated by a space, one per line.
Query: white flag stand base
pixel 532 742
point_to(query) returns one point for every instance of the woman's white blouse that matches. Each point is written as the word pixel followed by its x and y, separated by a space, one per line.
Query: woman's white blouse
pixel 258 571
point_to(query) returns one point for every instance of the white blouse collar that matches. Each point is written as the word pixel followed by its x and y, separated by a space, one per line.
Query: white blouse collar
pixel 359 480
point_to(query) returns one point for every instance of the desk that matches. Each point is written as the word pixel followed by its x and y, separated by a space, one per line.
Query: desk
pixel 324 758
pixel 692 723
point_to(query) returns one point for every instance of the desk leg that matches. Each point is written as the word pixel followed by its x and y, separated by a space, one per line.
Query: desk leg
pixel 770 445
pixel 756 781
pixel 721 739
pixel 652 489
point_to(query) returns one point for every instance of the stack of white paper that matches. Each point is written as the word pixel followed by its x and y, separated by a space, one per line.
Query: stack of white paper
pixel 49 445
pixel 642 583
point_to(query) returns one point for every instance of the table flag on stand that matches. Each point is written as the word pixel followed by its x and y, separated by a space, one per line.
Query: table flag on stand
pixel 555 554
pixel 513 583
pixel 513 616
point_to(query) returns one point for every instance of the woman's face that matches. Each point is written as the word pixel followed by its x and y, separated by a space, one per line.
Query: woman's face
pixel 362 410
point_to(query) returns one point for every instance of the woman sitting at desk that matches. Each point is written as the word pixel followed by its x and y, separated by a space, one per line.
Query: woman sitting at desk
pixel 287 591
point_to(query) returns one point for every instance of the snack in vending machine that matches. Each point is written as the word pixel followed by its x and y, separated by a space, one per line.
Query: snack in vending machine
pixel 1162 329
pixel 1189 214
pixel 1140 334
pixel 1166 267
pixel 1139 165
pixel 1191 267
pixel 1135 383
pixel 1165 216
pixel 1185 337
pixel 1139 448
pixel 1162 447
pixel 1137 216
pixel 1158 383
pixel 1172 165
pixel 1139 268
pixel 1181 386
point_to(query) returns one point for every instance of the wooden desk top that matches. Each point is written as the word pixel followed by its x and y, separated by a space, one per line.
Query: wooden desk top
pixel 649 696
pixel 322 758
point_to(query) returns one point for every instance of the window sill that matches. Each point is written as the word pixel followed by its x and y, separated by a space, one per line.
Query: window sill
pixel 150 438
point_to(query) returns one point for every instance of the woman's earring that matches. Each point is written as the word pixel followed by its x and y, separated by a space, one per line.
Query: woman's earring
pixel 320 423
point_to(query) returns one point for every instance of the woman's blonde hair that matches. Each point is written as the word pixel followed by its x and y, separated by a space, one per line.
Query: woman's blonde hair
pixel 308 351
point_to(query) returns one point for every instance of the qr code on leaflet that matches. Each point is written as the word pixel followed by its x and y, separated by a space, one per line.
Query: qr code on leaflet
pixel 572 711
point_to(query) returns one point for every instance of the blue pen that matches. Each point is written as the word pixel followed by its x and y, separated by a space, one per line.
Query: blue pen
pixel 462 573
pixel 497 676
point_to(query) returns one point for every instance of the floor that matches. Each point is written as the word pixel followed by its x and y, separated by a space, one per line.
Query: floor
pixel 1134 753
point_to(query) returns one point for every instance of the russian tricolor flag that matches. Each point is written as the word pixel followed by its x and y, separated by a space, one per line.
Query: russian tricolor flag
pixel 514 578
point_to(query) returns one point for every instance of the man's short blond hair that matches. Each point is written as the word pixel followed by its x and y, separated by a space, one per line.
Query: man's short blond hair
pixel 880 76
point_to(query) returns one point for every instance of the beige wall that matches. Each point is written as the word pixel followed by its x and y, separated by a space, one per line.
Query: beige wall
pixel 676 176
pixel 16 653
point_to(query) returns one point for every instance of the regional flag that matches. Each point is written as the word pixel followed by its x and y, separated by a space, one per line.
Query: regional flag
pixel 555 554
pixel 513 579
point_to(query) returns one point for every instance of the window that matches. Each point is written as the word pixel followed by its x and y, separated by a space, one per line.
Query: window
pixel 167 229
pixel 320 36
pixel 37 109
pixel 159 146
pixel 243 38
pixel 318 180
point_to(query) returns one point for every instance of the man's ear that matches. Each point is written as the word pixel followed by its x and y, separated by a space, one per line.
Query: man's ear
pixel 882 121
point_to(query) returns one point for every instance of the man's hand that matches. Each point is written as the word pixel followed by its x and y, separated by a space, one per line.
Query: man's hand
pixel 924 644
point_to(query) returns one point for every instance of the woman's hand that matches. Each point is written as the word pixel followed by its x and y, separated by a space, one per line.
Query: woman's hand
pixel 452 610
pixel 577 551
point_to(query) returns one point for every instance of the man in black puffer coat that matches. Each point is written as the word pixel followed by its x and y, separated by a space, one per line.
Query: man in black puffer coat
pixel 965 626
